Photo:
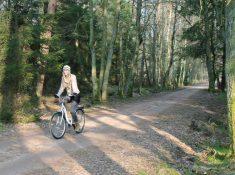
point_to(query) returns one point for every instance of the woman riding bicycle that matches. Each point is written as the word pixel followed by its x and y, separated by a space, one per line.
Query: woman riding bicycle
pixel 69 83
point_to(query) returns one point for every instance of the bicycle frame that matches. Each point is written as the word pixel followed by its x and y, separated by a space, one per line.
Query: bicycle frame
pixel 63 110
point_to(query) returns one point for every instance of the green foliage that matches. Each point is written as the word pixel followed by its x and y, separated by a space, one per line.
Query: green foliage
pixel 26 109
pixel 4 35
pixel 24 23
pixel 166 169
pixel 162 169
pixel 206 22
pixel 1 127
pixel 220 155
pixel 142 173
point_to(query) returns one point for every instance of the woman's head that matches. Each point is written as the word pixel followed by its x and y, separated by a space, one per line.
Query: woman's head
pixel 66 70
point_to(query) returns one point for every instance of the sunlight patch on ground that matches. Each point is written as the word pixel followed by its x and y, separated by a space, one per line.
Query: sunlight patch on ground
pixel 198 87
pixel 49 152
pixel 187 149
pixel 119 121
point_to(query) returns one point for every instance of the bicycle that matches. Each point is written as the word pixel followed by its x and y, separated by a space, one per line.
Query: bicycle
pixel 60 121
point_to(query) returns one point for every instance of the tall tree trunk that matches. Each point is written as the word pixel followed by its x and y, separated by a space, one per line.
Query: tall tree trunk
pixel 209 59
pixel 45 49
pixel 178 72
pixel 104 46
pixel 110 54
pixel 147 71
pixel 12 67
pixel 161 59
pixel 209 65
pixel 143 58
pixel 153 53
pixel 172 46
pixel 122 68
pixel 182 75
pixel 169 30
pixel 93 56
pixel 144 50
pixel 213 36
pixel 230 69
pixel 223 78
pixel 130 79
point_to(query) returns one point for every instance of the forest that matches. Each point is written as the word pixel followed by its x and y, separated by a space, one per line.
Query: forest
pixel 118 49
pixel 114 47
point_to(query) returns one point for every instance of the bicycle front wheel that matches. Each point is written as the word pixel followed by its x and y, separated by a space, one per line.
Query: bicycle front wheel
pixel 57 125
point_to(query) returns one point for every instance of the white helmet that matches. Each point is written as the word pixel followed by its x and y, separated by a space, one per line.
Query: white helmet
pixel 66 67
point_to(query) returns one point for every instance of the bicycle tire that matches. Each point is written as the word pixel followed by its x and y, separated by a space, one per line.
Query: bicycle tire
pixel 82 119
pixel 63 123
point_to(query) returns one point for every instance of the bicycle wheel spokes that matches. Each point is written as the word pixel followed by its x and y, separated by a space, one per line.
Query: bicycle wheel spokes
pixel 81 121
pixel 57 125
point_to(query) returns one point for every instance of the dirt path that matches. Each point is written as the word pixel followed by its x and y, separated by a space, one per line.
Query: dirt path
pixel 126 139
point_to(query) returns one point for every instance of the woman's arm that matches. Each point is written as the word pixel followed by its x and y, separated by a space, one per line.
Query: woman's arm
pixel 75 85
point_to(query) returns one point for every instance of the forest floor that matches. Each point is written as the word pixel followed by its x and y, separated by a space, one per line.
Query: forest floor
pixel 165 133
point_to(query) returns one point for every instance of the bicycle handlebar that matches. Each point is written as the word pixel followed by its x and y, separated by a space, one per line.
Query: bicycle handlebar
pixel 63 99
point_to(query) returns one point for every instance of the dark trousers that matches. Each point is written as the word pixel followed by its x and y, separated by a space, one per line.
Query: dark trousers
pixel 74 107
pixel 75 100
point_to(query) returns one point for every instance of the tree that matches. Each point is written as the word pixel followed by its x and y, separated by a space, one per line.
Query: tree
pixel 51 8
pixel 153 53
pixel 93 56
pixel 137 41
pixel 171 46
pixel 131 46
pixel 103 45
pixel 207 30
pixel 205 36
pixel 13 61
pixel 110 53
pixel 230 69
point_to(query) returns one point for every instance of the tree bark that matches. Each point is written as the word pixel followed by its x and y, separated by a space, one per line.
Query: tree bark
pixel 230 70
pixel 172 47
pixel 45 50
pixel 209 59
pixel 93 56
pixel 122 68
pixel 130 79
pixel 143 58
pixel 12 67
pixel 153 54
pixel 110 54
pixel 223 78
pixel 161 60
pixel 104 46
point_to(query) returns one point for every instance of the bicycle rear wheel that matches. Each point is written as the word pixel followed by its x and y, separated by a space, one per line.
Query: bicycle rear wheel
pixel 57 125
pixel 81 121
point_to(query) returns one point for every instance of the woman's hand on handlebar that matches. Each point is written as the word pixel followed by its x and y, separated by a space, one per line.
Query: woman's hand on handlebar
pixel 56 100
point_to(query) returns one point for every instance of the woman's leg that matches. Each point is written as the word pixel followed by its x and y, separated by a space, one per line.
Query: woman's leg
pixel 74 107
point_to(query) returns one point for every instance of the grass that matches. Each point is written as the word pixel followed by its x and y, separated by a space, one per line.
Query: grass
pixel 166 169
pixel 2 128
pixel 25 111
pixel 142 173
pixel 162 169
pixel 217 162
pixel 218 155
pixel 222 96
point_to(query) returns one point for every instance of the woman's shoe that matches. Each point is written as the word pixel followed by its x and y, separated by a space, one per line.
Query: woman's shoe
pixel 77 127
